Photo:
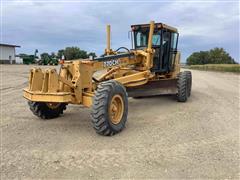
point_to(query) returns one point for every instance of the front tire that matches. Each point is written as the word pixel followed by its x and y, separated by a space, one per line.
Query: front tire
pixel 45 110
pixel 110 108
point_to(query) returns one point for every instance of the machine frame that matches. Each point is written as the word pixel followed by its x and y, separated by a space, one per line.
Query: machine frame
pixel 130 72
pixel 74 83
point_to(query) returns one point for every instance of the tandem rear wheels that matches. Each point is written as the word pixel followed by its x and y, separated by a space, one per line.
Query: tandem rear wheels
pixel 47 110
pixel 110 108
pixel 184 86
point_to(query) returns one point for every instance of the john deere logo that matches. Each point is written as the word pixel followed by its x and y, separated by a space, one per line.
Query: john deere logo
pixel 110 63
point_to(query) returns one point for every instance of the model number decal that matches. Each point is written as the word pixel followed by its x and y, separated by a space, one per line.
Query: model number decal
pixel 110 63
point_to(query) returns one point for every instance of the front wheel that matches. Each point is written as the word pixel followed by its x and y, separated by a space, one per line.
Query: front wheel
pixel 110 108
pixel 46 110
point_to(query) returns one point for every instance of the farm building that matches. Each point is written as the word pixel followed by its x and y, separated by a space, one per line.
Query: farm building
pixel 8 53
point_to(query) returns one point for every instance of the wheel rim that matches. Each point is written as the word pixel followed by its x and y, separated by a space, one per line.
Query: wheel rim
pixel 116 109
pixel 53 105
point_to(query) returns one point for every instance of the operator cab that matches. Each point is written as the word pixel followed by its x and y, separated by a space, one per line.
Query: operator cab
pixel 164 42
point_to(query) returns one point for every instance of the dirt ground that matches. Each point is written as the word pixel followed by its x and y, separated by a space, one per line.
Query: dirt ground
pixel 162 138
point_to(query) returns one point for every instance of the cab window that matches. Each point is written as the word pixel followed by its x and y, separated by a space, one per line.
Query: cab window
pixel 156 40
pixel 174 40
pixel 141 39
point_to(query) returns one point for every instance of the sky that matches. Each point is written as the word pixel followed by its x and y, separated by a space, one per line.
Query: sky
pixel 52 25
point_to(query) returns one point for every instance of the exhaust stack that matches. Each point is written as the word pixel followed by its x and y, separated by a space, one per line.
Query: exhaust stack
pixel 108 49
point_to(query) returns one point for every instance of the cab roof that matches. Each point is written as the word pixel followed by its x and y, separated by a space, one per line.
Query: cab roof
pixel 156 25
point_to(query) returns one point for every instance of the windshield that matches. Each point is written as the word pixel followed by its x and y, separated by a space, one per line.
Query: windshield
pixel 156 40
pixel 141 39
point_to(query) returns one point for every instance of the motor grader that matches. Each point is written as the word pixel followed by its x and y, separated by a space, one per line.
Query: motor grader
pixel 151 67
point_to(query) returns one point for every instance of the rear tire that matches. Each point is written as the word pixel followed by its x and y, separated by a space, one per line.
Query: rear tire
pixel 189 76
pixel 46 110
pixel 182 87
pixel 110 108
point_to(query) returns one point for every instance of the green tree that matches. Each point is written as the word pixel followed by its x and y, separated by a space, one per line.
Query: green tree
pixel 201 57
pixel 74 53
pixel 71 53
pixel 45 58
pixel 220 56
pixel 213 56
pixel 60 53
pixel 53 55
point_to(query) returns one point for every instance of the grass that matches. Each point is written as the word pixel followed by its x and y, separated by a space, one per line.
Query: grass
pixel 217 67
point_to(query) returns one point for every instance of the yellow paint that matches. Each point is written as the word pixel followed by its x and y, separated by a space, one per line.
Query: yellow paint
pixel 74 83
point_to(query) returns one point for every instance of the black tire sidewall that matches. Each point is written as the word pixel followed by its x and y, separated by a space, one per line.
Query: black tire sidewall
pixel 118 90
pixel 189 82
pixel 182 86
pixel 41 110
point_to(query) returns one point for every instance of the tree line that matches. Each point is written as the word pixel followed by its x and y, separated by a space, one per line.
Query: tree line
pixel 69 53
pixel 213 56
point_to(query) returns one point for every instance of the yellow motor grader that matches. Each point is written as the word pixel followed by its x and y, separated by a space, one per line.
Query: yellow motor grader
pixel 151 67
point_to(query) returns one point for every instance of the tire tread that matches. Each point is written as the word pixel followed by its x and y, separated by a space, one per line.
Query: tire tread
pixel 41 110
pixel 99 108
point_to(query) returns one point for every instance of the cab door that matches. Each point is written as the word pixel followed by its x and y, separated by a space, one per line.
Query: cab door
pixel 156 45
pixel 168 51
pixel 165 51
pixel 162 52
pixel 173 50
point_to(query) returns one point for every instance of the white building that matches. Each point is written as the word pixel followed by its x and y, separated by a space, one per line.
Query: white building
pixel 19 60
pixel 7 53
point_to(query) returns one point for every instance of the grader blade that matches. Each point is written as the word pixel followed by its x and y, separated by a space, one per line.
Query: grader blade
pixel 153 88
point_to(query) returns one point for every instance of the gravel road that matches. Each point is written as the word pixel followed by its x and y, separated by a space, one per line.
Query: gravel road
pixel 162 138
